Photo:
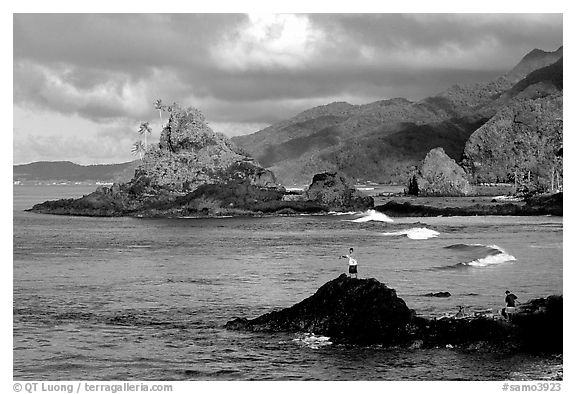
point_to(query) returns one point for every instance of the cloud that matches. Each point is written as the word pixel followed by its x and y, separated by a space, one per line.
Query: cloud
pixel 134 42
pixel 114 96
pixel 427 41
pixel 265 41
pixel 248 71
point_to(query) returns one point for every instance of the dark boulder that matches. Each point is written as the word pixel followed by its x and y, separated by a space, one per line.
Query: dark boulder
pixel 539 324
pixel 440 294
pixel 349 310
pixel 439 175
pixel 242 197
pixel 337 193
pixel 365 311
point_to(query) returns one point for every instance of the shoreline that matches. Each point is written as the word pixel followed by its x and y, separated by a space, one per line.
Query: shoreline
pixel 400 206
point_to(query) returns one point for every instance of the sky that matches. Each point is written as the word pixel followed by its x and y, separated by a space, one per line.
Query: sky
pixel 82 83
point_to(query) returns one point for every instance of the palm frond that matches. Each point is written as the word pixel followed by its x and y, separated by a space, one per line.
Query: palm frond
pixel 145 128
pixel 138 147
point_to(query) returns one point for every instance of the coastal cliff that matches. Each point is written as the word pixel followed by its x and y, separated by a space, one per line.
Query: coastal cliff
pixel 365 311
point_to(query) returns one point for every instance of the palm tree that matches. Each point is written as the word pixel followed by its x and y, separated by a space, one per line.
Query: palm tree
pixel 160 107
pixel 172 107
pixel 145 128
pixel 138 148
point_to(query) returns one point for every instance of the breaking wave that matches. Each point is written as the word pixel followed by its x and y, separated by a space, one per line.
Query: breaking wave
pixel 372 216
pixel 482 255
pixel 416 233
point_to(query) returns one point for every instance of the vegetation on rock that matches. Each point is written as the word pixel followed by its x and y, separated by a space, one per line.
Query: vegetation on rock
pixel 521 144
pixel 190 154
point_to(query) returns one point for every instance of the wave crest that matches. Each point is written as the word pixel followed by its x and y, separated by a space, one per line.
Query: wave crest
pixel 482 255
pixel 416 233
pixel 341 213
pixel 372 216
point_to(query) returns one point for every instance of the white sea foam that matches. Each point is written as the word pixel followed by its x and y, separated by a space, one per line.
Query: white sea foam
pixel 312 341
pixel 481 255
pixel 372 216
pixel 341 213
pixel 416 233
pixel 492 259
pixel 507 198
pixel 205 217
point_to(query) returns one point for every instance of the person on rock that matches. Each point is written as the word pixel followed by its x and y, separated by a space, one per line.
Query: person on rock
pixel 510 304
pixel 352 264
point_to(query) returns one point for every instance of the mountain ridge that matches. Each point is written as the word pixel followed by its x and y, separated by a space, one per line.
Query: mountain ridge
pixel 380 141
pixel 296 148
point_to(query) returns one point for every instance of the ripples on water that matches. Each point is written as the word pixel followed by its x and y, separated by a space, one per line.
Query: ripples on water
pixel 122 298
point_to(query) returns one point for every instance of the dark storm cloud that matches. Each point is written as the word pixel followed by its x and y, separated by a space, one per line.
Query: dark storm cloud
pixel 123 42
pixel 249 69
pixel 258 102
pixel 328 82
pixel 430 30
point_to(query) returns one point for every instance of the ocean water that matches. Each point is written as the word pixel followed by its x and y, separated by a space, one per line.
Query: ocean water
pixel 146 299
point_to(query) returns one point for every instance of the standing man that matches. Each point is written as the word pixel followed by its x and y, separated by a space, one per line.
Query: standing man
pixel 352 264
pixel 510 304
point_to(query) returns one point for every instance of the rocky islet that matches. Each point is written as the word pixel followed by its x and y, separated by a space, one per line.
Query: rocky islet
pixel 195 171
pixel 367 312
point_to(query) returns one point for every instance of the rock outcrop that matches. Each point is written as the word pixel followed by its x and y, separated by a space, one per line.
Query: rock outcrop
pixel 242 198
pixel 190 154
pixel 358 311
pixel 440 294
pixel 365 311
pixel 439 175
pixel 539 323
pixel 336 192
pixel 537 205
pixel 194 171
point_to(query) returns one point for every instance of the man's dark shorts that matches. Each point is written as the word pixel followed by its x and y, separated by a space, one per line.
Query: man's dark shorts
pixel 353 269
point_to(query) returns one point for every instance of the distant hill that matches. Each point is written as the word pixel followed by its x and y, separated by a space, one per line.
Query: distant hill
pixel 44 171
pixel 384 140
